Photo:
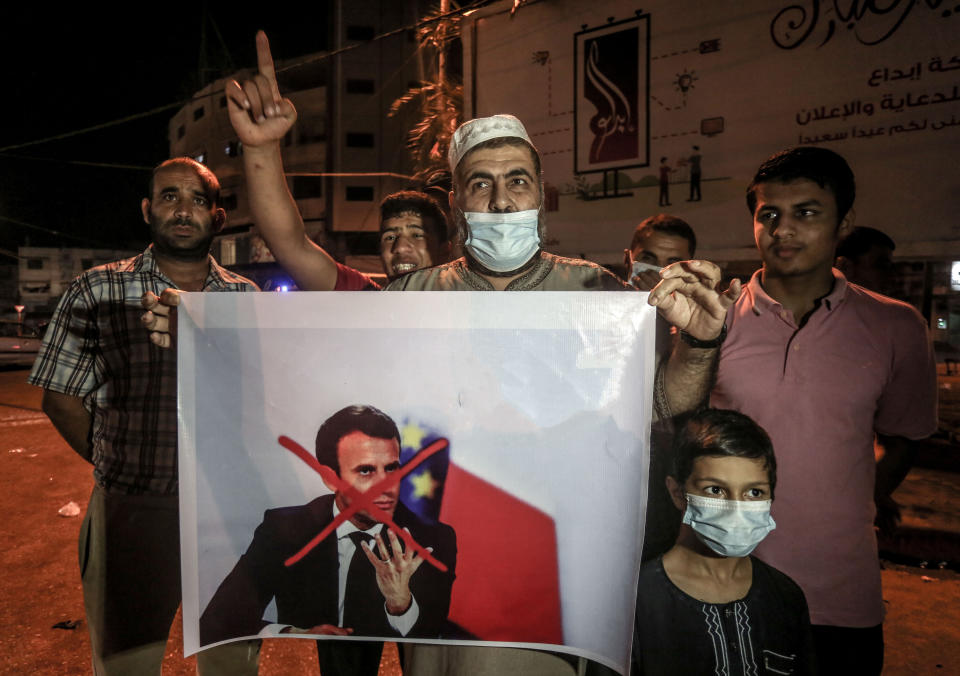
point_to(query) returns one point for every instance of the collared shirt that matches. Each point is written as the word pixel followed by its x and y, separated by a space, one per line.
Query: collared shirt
pixel 765 632
pixel 96 348
pixel 861 364
pixel 345 552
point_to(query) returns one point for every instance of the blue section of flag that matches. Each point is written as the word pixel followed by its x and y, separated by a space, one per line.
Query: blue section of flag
pixel 421 491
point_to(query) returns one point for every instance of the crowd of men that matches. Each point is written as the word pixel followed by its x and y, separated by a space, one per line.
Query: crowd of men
pixel 826 367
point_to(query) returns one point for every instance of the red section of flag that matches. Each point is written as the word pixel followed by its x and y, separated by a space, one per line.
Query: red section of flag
pixel 508 586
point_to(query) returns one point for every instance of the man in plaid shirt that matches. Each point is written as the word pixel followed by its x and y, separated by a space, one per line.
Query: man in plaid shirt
pixel 112 396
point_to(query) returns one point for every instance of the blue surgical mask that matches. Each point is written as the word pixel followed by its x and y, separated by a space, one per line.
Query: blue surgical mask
pixel 729 527
pixel 502 241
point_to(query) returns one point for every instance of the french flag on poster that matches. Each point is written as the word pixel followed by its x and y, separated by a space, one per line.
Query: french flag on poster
pixel 508 586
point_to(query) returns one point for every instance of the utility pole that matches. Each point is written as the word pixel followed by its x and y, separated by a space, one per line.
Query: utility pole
pixel 449 122
pixel 441 52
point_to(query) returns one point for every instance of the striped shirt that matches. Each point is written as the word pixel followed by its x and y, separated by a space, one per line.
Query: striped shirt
pixel 97 349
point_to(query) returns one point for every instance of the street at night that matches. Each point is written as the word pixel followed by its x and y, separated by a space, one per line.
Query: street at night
pixel 42 607
pixel 679 480
pixel 41 612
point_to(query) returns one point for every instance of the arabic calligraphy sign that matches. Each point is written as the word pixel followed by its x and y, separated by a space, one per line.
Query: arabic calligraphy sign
pixel 722 86
pixel 889 106
pixel 612 87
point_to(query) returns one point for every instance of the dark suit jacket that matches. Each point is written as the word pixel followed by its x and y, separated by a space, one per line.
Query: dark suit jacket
pixel 306 592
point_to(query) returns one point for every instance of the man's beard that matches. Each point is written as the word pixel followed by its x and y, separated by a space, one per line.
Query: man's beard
pixel 169 247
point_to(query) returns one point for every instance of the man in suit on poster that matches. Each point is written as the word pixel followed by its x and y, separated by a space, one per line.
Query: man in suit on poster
pixel 341 587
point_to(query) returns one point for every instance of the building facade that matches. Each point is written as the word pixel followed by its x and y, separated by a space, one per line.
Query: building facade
pixel 344 154
pixel 45 273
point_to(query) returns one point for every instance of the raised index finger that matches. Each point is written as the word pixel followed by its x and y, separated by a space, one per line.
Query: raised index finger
pixel 265 64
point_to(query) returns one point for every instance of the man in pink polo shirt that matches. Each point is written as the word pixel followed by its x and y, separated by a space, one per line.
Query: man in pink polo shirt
pixel 822 365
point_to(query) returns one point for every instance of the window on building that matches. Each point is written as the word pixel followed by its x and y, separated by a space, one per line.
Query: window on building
pixel 359 140
pixel 228 251
pixel 229 202
pixel 198 113
pixel 551 197
pixel 305 187
pixel 358 86
pixel 359 193
pixel 242 254
pixel 360 33
pixel 34 264
pixel 362 243
pixel 312 129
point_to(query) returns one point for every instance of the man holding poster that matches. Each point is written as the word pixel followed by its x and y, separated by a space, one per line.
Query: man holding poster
pixel 497 204
pixel 498 208
pixel 112 396
pixel 497 201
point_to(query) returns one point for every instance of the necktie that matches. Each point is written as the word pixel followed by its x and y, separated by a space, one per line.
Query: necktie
pixel 363 601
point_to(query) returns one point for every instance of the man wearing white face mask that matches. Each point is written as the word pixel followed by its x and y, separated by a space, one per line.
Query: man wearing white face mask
pixel 497 204
pixel 706 606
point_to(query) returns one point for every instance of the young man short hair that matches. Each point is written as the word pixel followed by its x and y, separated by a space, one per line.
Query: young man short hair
pixel 112 395
pixel 824 366
pixel 657 242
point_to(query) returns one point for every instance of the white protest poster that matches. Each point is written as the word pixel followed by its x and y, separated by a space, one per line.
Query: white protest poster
pixel 522 428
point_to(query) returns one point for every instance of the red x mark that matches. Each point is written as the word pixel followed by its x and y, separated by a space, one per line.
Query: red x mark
pixel 363 500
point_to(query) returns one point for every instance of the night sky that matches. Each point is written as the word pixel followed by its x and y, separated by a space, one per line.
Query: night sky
pixel 71 68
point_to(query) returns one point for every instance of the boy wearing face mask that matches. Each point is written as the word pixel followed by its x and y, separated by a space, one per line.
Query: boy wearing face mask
pixel 707 606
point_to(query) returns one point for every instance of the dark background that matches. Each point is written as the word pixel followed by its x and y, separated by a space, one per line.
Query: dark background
pixel 69 68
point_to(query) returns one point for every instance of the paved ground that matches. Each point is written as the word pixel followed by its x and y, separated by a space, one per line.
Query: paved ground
pixel 40 586
pixel 39 576
pixel 18 351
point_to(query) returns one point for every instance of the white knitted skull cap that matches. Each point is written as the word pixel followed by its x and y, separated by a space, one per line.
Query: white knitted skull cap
pixel 474 132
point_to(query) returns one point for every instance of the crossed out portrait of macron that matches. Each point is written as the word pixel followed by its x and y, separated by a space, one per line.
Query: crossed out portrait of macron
pixel 348 562
pixel 363 501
